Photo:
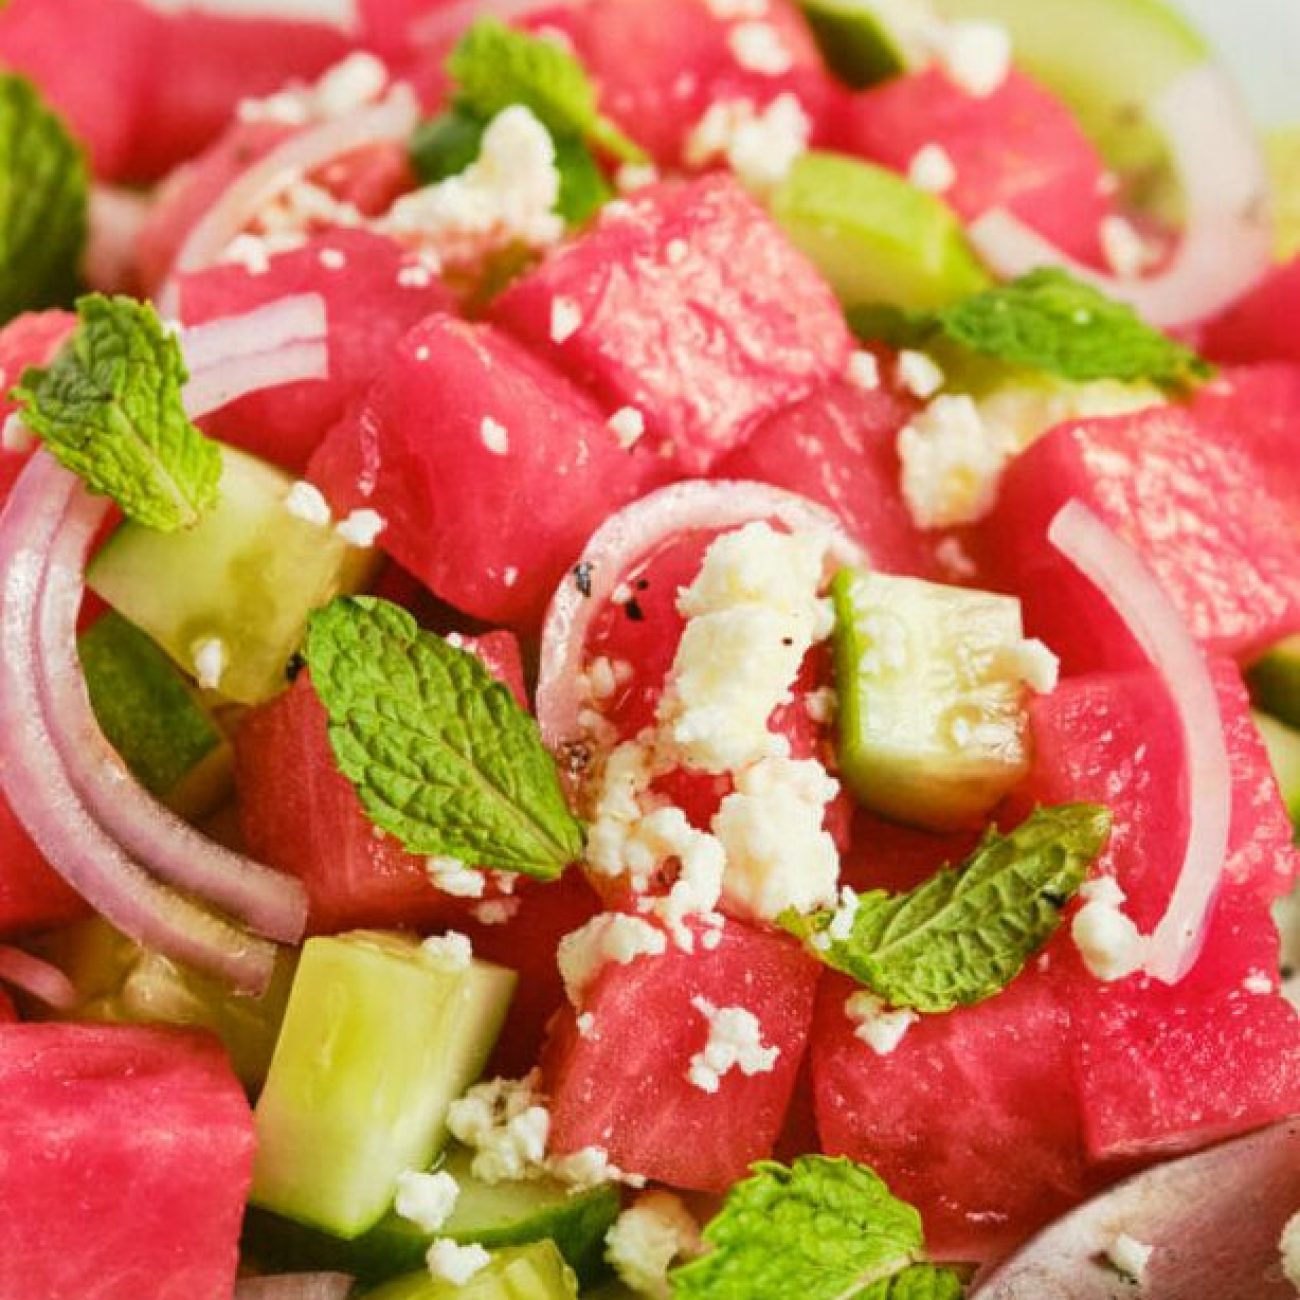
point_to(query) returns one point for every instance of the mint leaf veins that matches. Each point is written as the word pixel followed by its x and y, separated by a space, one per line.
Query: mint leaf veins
pixel 441 754
pixel 108 407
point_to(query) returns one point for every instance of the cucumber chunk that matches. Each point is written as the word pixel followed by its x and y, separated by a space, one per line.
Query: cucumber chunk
pixel 932 724
pixel 876 238
pixel 1275 681
pixel 1283 745
pixel 245 578
pixel 869 41
pixel 534 1272
pixel 378 1040
pixel 491 1214
pixel 154 718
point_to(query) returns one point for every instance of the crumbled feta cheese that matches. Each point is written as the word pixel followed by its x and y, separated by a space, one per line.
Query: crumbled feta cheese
pixel 589 1167
pixel 840 927
pixel 932 170
pixel 449 1261
pixel 211 659
pixel 955 558
pixel 427 1200
pixel 631 177
pixel 566 319
pixel 758 47
pixel 1109 942
pixel 976 56
pixel 249 251
pixel 1034 664
pixel 585 1025
pixel 628 426
pixel 1130 1257
pixel 609 937
pixel 864 370
pixel 510 575
pixel 735 1042
pixel 290 107
pixel 507 1124
pixel 951 463
pixel 305 501
pixel 352 83
pixel 333 259
pixel 729 9
pixel 1289 1246
pixel 760 147
pixel 647 1239
pixel 415 275
pixel 361 528
pixel 876 1024
pixel 919 374
pixel 1123 247
pixel 779 854
pixel 15 436
pixel 604 676
pixel 677 252
pixel 496 911
pixel 452 950
pixel 494 436
pixel 452 876
pixel 1258 983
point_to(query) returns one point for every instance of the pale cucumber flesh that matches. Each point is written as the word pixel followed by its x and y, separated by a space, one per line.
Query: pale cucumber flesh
pixel 866 41
pixel 1283 745
pixel 534 1272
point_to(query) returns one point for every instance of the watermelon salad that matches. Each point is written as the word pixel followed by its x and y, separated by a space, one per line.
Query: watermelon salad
pixel 646 649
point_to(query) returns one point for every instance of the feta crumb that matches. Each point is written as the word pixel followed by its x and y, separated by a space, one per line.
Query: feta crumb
pixel 604 676
pixel 427 1200
pixel 760 147
pixel 1109 942
pixel 876 1024
pixel 757 46
pixel 350 84
pixel 509 575
pixel 249 251
pixel 15 436
pixel 333 259
pixel 1289 1246
pixel 414 275
pixel 609 937
pixel 566 319
pixel 452 951
pixel 647 1239
pixel 1123 247
pixel 864 370
pixel 955 558
pixel 211 659
pixel 951 462
pixel 449 1261
pixel 735 1042
pixel 729 9
pixel 677 252
pixel 507 1124
pixel 1258 983
pixel 496 911
pixel 932 170
pixel 589 1167
pixel 628 426
pixel 452 876
pixel 494 436
pixel 305 501
pixel 585 1025
pixel 361 528
pixel 919 374
pixel 840 926
pixel 1035 665
pixel 631 177
pixel 976 56
pixel 1130 1257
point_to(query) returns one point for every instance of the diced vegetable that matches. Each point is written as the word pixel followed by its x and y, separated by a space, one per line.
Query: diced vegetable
pixel 535 1272
pixel 1275 681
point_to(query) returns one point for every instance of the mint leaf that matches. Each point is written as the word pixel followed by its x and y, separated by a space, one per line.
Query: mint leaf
pixel 494 66
pixel 823 1229
pixel 920 1282
pixel 44 183
pixel 1049 322
pixel 441 754
pixel 965 933
pixel 108 407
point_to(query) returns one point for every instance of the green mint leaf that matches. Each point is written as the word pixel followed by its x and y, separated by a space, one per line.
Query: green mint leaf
pixel 108 407
pixel 494 66
pixel 1049 322
pixel 822 1229
pixel 919 1282
pixel 965 933
pixel 583 187
pixel 441 754
pixel 44 184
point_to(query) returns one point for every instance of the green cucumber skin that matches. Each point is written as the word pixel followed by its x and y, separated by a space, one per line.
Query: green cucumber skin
pixel 1283 745
pixel 1275 681
pixel 533 1272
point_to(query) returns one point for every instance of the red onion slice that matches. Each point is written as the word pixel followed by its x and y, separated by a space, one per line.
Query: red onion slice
pixel 328 13
pixel 268 901
pixel 295 1286
pixel 37 978
pixel 631 535
pixel 37 784
pixel 218 386
pixel 1227 243
pixel 444 22
pixel 297 318
pixel 1123 578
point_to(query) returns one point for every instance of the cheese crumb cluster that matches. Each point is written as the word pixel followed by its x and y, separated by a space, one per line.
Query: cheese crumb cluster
pixel 647 1239
pixel 1109 942
pixel 874 1023
pixel 427 1200
pixel 735 1043
pixel 760 145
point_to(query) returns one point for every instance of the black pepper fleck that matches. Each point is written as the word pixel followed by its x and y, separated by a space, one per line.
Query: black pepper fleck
pixel 634 611
pixel 582 577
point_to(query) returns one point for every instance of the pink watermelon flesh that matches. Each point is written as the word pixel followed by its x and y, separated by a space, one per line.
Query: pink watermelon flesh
pixel 624 1087
pixel 7 1012
pixel 1019 148
pixel 126 1159
pixel 1260 326
pixel 368 308
pixel 693 309
pixel 1224 544
pixel 33 895
pixel 28 340
pixel 489 523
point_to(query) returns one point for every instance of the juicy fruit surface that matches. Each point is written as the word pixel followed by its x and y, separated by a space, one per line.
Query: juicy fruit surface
pixel 623 1085
pixel 126 1160
pixel 1261 326
pixel 32 894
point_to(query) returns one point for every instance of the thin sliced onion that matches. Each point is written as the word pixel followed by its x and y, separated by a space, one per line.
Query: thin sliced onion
pixel 444 22
pixel 393 119
pixel 218 386
pixel 272 903
pixel 37 784
pixel 631 535
pixel 295 1286
pixel 1123 578
pixel 296 318
pixel 37 978
pixel 1227 242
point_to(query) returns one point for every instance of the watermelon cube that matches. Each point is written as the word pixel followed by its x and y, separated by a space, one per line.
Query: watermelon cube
pixel 31 339
pixel 7 1012
pixel 489 468
pixel 126 1158
pixel 1260 326
pixel 690 306
pixel 370 303
pixel 622 1082
pixel 32 895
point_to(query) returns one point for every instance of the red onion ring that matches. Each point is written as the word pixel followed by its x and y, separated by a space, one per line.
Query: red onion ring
pixel 1227 244
pixel 327 13
pixel 295 1286
pixel 37 978
pixel 37 783
pixel 1121 575
pixel 630 535
pixel 218 386
pixel 297 318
